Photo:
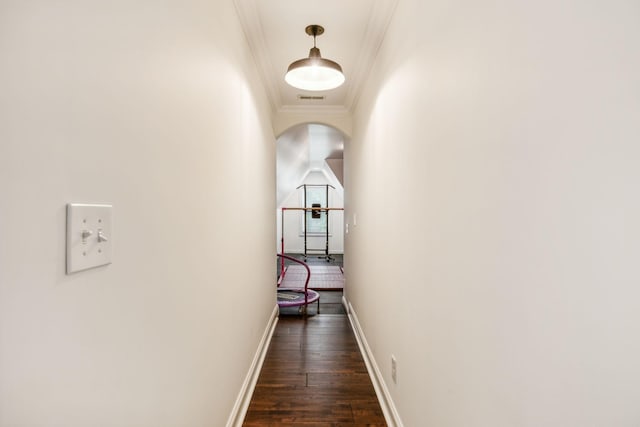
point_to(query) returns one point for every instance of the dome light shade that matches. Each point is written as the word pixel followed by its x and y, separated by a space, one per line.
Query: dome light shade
pixel 314 73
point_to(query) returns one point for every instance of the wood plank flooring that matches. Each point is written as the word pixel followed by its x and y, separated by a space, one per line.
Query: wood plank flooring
pixel 314 375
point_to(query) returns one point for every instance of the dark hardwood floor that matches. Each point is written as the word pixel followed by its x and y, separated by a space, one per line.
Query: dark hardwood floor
pixel 314 375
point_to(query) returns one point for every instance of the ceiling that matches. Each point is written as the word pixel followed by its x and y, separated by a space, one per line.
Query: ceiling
pixel 275 31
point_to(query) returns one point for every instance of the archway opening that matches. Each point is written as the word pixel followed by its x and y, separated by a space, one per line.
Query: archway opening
pixel 310 207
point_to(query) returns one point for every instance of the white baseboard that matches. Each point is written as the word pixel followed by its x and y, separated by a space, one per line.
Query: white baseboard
pixel 244 397
pixel 345 304
pixel 384 397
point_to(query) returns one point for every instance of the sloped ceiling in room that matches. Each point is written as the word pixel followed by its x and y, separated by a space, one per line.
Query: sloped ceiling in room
pixel 305 149
pixel 336 166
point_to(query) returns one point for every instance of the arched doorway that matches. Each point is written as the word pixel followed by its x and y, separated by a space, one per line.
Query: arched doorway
pixel 310 172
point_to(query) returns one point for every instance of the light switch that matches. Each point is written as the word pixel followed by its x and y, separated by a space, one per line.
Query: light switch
pixel 89 236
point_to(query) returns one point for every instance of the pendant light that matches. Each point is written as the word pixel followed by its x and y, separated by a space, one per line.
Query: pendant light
pixel 314 73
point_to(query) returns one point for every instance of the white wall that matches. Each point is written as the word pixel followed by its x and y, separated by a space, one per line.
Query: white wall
pixel 292 160
pixel 494 173
pixel 154 107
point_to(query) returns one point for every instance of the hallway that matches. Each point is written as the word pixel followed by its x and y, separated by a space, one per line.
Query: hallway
pixel 314 374
pixel 491 235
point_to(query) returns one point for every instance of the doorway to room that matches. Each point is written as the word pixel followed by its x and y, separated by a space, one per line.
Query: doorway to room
pixel 310 213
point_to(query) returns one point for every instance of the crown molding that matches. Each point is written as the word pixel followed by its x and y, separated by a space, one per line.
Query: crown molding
pixel 379 18
pixel 254 34
pixel 379 21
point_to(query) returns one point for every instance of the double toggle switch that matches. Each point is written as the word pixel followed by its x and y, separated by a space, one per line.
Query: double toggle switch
pixel 88 236
pixel 85 235
pixel 88 233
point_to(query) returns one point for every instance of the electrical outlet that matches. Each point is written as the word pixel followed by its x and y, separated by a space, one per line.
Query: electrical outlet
pixel 394 369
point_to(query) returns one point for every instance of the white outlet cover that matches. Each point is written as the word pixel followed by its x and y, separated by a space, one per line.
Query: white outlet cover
pixel 89 236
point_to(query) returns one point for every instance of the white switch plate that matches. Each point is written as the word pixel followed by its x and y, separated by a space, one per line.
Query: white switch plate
pixel 89 236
